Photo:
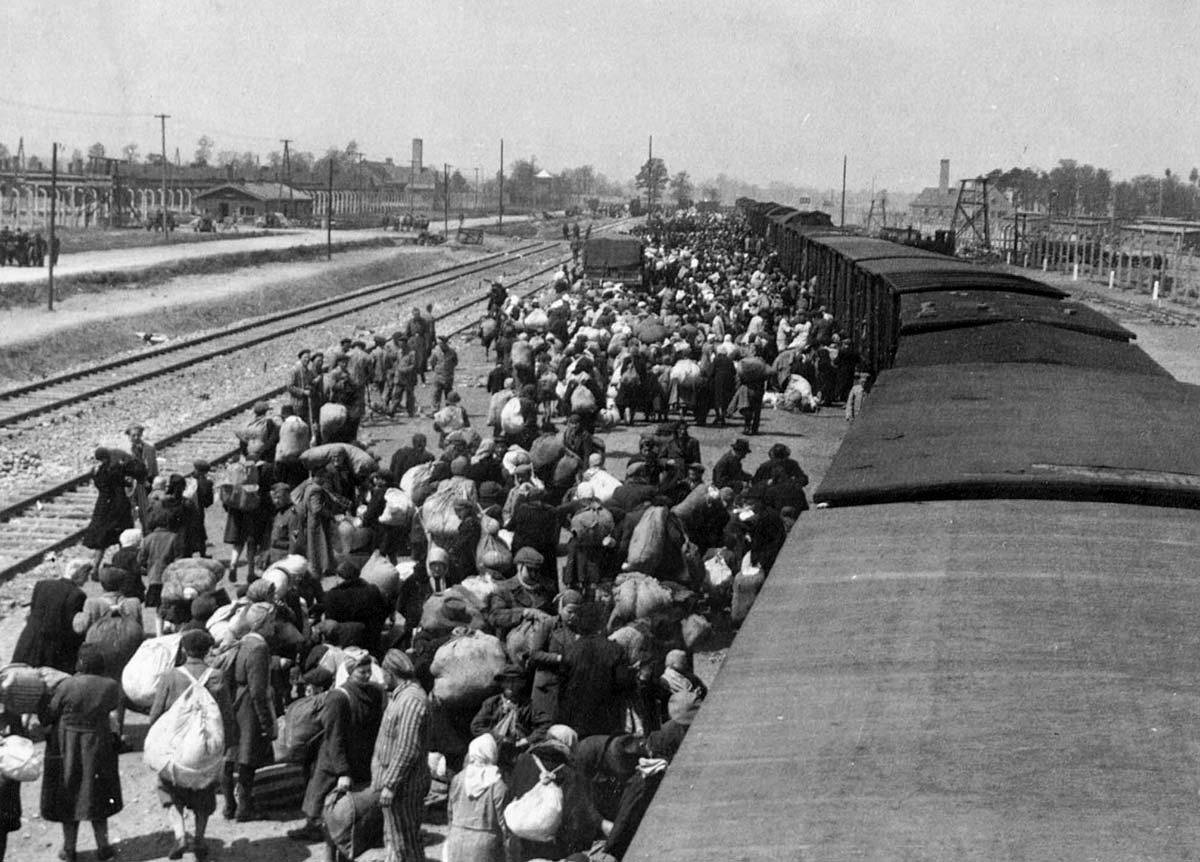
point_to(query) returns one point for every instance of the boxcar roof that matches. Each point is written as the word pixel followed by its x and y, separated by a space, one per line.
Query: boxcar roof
pixel 864 248
pixel 920 312
pixel 953 681
pixel 1023 341
pixel 1011 430
pixel 943 273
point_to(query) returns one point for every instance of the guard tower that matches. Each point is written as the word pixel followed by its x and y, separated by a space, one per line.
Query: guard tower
pixel 970 223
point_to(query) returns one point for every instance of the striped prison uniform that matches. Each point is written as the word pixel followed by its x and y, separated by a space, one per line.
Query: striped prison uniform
pixel 400 764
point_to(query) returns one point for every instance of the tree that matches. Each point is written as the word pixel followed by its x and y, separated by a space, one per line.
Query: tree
pixel 458 183
pixel 711 193
pixel 130 152
pixel 520 180
pixel 96 151
pixel 204 148
pixel 652 177
pixel 681 190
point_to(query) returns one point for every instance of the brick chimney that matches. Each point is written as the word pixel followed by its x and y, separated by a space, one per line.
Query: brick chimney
pixel 417 155
pixel 944 177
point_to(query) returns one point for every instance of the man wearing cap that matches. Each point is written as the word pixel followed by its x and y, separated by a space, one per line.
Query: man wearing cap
pixel 300 386
pixel 400 764
pixel 404 380
pixel 354 600
pixel 534 524
pixel 443 362
pixel 728 471
pixel 419 338
pixel 528 595
pixel 407 457
pixel 507 716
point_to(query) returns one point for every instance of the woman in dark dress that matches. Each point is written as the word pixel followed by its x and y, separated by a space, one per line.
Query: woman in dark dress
pixel 112 512
pixel 250 680
pixel 81 779
pixel 10 811
pixel 48 639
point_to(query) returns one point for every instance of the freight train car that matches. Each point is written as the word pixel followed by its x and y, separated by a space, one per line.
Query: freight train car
pixel 982 644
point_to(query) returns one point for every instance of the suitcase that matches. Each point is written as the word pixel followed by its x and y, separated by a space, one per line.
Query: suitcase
pixel 21 688
pixel 279 786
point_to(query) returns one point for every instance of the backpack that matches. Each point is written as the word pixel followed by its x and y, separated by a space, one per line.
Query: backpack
pixel 118 637
pixel 537 814
pixel 153 660
pixel 302 728
pixel 237 486
pixel 186 746
pixel 591 525
pixel 582 399
pixel 645 546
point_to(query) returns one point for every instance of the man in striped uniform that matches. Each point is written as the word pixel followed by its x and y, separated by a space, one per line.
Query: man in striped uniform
pixel 400 765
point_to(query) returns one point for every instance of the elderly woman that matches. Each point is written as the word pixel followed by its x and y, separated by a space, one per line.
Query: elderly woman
pixel 81 779
pixel 250 679
pixel 202 802
pixel 48 639
pixel 475 808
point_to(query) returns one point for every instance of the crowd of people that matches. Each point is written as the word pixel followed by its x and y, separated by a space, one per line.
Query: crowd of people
pixel 499 624
pixel 20 248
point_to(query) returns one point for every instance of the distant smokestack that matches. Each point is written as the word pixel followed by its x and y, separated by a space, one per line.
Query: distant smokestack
pixel 943 176
pixel 418 147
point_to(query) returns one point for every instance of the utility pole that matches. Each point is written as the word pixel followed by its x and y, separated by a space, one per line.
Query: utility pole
pixel 650 178
pixel 843 223
pixel 166 231
pixel 501 224
pixel 287 173
pixel 476 191
pixel 329 216
pixel 53 202
pixel 446 200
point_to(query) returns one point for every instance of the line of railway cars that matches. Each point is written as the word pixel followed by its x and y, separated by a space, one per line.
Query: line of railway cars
pixel 984 643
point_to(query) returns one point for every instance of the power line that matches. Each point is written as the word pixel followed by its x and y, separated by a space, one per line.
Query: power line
pixel 72 111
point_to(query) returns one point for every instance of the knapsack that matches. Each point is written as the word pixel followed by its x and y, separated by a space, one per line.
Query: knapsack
pixel 186 746
pixel 591 525
pixel 237 485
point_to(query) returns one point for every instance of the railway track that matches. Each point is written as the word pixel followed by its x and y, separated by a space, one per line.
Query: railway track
pixel 20 403
pixel 55 517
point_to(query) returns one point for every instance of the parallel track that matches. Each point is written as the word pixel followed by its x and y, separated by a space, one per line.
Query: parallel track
pixel 56 517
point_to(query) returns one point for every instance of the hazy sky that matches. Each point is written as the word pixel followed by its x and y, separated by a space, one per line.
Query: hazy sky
pixel 758 89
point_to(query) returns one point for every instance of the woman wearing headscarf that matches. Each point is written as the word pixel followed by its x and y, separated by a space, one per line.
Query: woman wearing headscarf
pixel 475 808
pixel 48 639
pixel 581 821
pixel 249 678
pixel 349 720
pixel 81 779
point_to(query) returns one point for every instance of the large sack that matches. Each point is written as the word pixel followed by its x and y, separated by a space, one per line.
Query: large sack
pixel 695 629
pixel 333 418
pixel 512 421
pixel 237 486
pixel 20 759
pixel 186 746
pixel 415 476
pixel 153 660
pixel 21 688
pixel 353 536
pixel 522 354
pixel 646 544
pixel 354 821
pixel 526 637
pixel 318 457
pixel 696 498
pixel 464 669
pixel 294 437
pixel 491 553
pixel 197 573
pixel 591 525
pixel 637 596
pixel 546 450
pixel 718 577
pixel 435 620
pixel 398 508
pixel 753 371
pixel 746 585
pixel 603 483
pixel 583 400
pixel 537 320
pixel 482 587
pixel 118 637
pixel 449 418
pixel 337 660
pixel 650 331
pixel 538 813
pixel 378 570
pixel 565 470
pixel 685 372
pixel 438 517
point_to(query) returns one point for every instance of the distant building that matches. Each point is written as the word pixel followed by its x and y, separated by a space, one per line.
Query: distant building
pixel 936 204
pixel 251 200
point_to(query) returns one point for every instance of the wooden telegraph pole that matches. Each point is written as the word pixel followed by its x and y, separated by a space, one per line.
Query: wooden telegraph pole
pixel 166 233
pixel 501 224
pixel 329 216
pixel 53 211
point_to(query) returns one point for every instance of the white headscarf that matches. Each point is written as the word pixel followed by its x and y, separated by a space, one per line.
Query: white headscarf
pixel 481 771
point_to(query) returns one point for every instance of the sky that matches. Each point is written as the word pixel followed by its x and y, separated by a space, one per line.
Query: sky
pixel 760 90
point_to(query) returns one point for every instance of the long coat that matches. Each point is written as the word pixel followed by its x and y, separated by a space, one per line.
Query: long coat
pixel 723 379
pixel 350 722
pixel 81 779
pixel 48 639
pixel 252 704
pixel 112 513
